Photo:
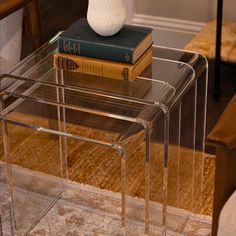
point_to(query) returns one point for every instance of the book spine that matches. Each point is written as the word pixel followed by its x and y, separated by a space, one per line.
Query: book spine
pixel 142 64
pixel 99 51
pixel 93 67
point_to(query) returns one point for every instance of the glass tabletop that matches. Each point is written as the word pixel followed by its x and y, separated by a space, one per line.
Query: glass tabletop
pixel 169 76
pixel 156 90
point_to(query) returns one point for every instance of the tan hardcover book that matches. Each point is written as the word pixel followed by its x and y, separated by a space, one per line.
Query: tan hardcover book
pixel 104 68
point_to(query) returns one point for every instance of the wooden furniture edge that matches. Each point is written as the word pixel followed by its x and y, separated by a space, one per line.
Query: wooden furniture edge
pixel 224 132
pixel 223 137
pixel 7 7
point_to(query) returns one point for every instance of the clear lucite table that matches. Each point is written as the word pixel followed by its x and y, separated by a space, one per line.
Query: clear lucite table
pixel 86 155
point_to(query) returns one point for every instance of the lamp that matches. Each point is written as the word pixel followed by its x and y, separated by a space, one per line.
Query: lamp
pixel 106 17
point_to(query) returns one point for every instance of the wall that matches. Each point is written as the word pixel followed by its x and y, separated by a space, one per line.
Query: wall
pixel 176 21
pixel 180 9
pixel 230 9
pixel 200 10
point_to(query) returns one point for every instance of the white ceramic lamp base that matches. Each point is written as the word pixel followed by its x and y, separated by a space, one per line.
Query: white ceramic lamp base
pixel 106 17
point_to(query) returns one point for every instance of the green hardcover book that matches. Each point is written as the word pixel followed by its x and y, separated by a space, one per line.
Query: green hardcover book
pixel 127 46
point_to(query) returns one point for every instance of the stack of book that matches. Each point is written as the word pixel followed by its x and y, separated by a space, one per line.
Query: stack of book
pixel 123 56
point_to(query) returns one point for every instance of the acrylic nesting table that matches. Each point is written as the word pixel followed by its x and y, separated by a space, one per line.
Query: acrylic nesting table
pixel 86 155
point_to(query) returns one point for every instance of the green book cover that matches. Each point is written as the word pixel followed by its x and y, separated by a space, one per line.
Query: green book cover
pixel 127 46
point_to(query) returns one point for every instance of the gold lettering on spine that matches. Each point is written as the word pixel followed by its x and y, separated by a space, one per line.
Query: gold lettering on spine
pixel 69 46
pixel 66 46
pixel 78 48
pixel 125 73
pixel 93 68
pixel 127 57
pixel 74 48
